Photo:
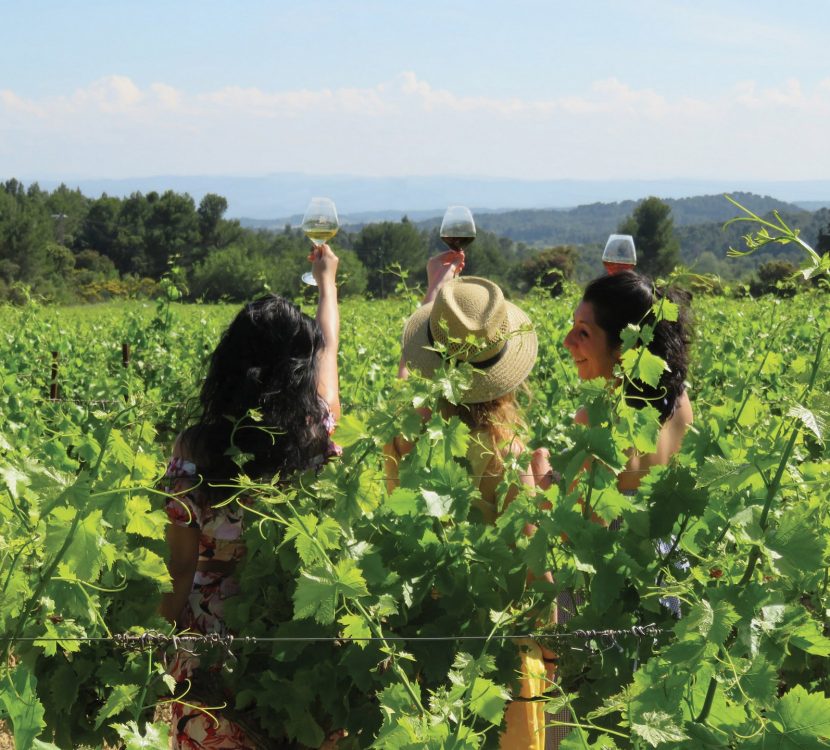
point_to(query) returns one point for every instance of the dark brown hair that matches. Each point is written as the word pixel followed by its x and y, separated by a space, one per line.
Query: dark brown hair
pixel 628 297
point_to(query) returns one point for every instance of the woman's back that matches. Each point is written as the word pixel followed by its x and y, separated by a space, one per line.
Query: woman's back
pixel 669 442
pixel 267 409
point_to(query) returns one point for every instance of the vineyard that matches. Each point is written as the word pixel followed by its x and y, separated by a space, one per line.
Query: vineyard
pixel 397 616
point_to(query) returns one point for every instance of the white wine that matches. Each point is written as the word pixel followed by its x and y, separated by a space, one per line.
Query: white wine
pixel 320 224
pixel 321 235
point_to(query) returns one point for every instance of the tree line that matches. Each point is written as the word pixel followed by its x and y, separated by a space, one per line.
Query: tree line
pixel 66 247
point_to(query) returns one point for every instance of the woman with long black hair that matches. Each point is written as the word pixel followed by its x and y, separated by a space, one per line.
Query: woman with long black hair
pixel 268 407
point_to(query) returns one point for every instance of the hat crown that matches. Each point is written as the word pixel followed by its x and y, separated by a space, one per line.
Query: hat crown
pixel 472 308
pixel 469 306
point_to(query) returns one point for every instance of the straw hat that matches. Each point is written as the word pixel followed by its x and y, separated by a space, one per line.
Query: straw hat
pixel 467 306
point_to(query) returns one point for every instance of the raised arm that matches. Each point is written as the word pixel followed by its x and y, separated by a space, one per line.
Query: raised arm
pixel 440 268
pixel 324 267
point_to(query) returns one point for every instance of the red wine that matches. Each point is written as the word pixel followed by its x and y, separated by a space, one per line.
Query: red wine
pixel 457 243
pixel 613 268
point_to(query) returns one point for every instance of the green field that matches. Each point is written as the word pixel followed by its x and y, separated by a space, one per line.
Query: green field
pixel 747 504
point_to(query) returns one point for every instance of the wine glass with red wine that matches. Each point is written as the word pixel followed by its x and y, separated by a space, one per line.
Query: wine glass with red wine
pixel 619 254
pixel 458 229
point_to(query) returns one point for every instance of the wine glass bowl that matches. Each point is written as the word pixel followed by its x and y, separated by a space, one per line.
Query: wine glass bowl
pixel 458 229
pixel 619 254
pixel 320 224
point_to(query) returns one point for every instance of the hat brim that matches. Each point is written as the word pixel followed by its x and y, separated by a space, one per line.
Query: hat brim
pixel 496 380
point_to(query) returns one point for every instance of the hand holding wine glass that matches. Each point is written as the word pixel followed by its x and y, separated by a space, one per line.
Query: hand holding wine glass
pixel 320 224
pixel 441 268
pixel 324 266
pixel 619 254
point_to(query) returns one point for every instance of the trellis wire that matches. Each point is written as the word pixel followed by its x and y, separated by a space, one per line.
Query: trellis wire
pixel 156 639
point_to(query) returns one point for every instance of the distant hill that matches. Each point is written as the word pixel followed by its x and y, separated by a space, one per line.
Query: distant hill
pixel 698 224
pixel 357 219
pixel 812 205
pixel 269 197
pixel 561 226
pixel 593 223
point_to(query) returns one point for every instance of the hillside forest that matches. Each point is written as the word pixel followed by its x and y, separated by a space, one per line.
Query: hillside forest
pixel 65 247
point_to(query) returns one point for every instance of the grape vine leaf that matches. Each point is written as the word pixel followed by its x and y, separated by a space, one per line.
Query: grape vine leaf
pixel 155 736
pixel 120 698
pixel 798 721
pixel 403 502
pixel 355 626
pixel 719 471
pixel 641 364
pixel 18 695
pixel 760 681
pixel 437 505
pixel 11 477
pixel 82 558
pixel 658 727
pixel 752 410
pixel 307 533
pixel 349 430
pixel 318 588
pixel 813 422
pixel 577 739
pixel 487 700
pixel 673 494
pixel 665 309
pixel 799 544
pixel 144 520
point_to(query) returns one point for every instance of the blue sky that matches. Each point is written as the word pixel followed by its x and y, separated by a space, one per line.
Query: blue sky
pixel 599 90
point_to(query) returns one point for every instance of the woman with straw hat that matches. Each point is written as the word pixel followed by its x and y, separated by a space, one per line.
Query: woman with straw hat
pixel 467 319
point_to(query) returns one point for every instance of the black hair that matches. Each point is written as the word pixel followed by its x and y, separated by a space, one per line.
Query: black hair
pixel 266 360
pixel 628 297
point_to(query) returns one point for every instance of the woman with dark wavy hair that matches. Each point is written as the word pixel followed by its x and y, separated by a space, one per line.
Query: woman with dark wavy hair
pixel 609 304
pixel 270 400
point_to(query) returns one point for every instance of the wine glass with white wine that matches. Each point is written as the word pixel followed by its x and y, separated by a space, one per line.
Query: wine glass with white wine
pixel 619 254
pixel 320 224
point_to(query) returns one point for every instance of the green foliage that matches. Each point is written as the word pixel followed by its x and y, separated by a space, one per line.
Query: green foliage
pixel 138 236
pixel 231 273
pixel 778 277
pixel 736 530
pixel 776 231
pixel 548 269
pixel 386 244
pixel 745 506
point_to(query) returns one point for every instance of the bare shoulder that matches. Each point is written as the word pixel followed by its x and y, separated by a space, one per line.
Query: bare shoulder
pixel 683 411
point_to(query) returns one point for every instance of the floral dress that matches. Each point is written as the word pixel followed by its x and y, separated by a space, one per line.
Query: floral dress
pixel 220 539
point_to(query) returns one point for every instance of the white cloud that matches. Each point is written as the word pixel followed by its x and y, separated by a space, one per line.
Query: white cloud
pixel 15 104
pixel 166 95
pixel 791 97
pixel 612 129
pixel 255 102
pixel 112 94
